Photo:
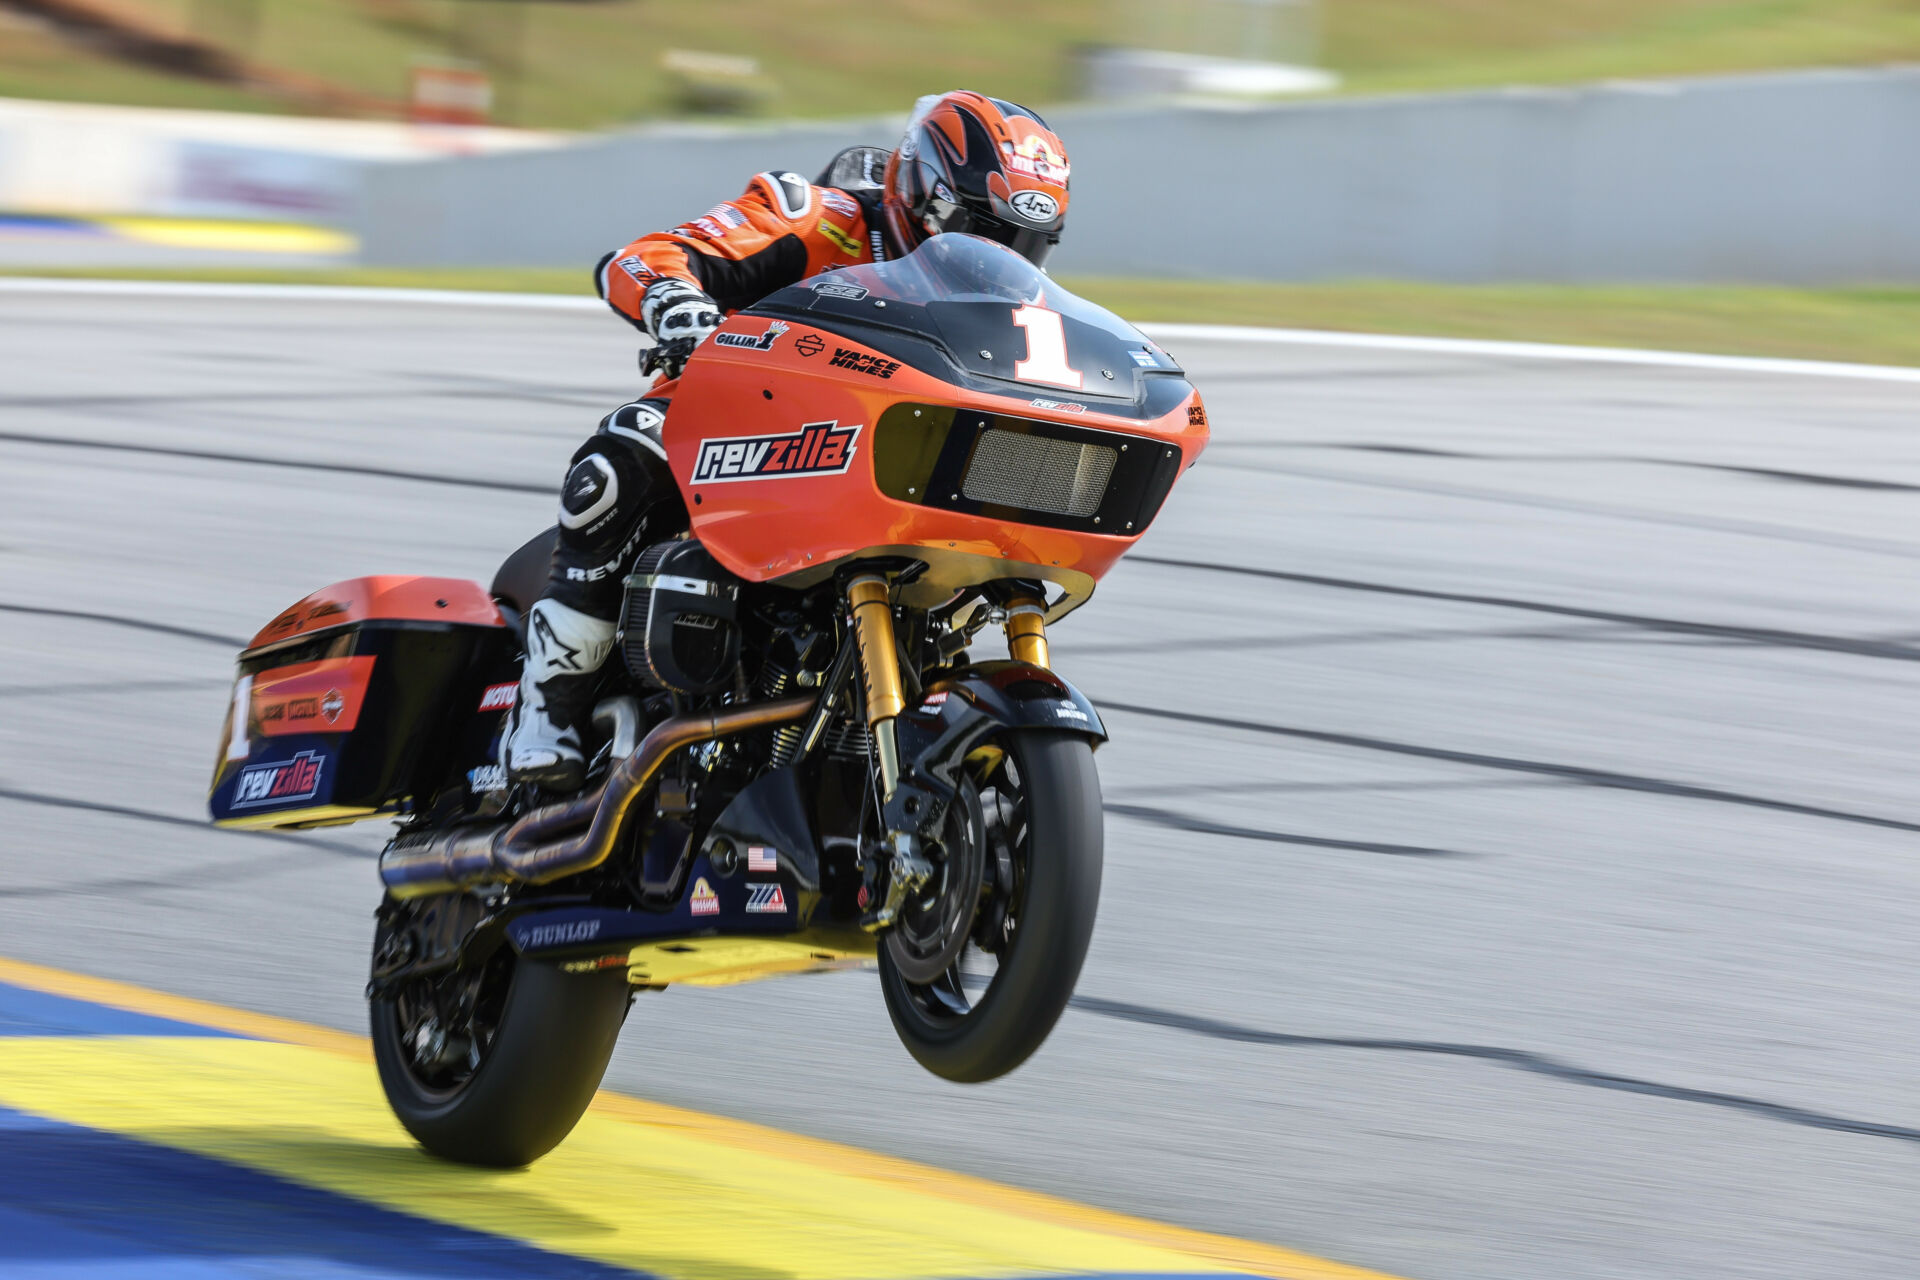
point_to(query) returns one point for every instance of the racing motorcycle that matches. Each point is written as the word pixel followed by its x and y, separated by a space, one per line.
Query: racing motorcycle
pixel 801 765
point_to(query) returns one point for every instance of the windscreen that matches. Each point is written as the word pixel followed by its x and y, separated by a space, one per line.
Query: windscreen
pixel 992 312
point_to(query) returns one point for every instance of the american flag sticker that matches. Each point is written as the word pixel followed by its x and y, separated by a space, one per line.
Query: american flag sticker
pixel 760 858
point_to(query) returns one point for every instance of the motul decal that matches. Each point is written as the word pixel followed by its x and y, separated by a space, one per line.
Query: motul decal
pixel 766 899
pixel 498 697
pixel 281 782
pixel 817 449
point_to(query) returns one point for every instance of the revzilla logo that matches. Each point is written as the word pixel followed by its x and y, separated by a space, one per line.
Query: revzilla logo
pixel 279 783
pixel 752 341
pixel 817 449
pixel 766 899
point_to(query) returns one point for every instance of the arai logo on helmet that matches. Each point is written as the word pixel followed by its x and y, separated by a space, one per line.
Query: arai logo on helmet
pixel 1035 206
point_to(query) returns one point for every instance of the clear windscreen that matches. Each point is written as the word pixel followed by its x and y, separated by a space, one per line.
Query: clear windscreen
pixel 994 313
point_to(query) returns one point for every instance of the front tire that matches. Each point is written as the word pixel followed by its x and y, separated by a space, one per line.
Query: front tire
pixel 537 1059
pixel 1035 919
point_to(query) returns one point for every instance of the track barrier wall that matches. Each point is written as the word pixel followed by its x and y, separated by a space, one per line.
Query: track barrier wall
pixel 1806 177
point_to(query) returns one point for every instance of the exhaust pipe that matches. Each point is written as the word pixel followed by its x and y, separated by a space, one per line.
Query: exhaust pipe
pixel 537 849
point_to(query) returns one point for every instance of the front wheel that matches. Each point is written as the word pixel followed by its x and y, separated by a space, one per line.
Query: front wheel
pixel 1026 895
pixel 496 1064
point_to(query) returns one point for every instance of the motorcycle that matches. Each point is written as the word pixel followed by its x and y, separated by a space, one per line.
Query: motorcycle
pixel 799 765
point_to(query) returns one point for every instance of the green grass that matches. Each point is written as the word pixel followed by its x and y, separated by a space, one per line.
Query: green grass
pixel 598 64
pixel 1875 326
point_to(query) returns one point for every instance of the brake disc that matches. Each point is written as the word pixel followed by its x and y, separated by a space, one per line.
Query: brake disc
pixel 936 922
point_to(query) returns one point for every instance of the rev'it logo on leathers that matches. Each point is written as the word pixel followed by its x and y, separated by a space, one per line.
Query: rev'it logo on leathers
pixel 817 449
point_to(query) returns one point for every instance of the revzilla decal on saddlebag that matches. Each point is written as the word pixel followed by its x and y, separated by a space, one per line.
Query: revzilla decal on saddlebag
pixel 766 899
pixel 279 782
pixel 817 449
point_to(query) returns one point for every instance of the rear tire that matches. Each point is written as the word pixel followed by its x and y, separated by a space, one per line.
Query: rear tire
pixel 967 1040
pixel 537 1073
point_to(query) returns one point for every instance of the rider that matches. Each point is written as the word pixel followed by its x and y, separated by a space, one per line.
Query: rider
pixel 967 163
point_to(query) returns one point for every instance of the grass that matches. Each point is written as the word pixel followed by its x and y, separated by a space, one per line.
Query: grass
pixel 1875 326
pixel 598 64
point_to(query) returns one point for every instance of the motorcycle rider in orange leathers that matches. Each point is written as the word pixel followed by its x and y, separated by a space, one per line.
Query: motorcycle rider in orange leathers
pixel 968 163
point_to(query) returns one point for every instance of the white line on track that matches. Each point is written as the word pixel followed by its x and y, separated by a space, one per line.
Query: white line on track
pixel 1173 332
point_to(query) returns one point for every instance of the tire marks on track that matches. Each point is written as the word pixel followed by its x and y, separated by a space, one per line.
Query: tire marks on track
pixel 1816 478
pixel 1767 636
pixel 120 620
pixel 337 848
pixel 1514 1059
pixel 298 464
pixel 1582 774
pixel 1206 826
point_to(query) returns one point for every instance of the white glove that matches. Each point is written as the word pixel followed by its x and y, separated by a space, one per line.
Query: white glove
pixel 679 317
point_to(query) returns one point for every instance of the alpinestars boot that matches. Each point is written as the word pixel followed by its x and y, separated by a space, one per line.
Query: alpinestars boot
pixel 565 649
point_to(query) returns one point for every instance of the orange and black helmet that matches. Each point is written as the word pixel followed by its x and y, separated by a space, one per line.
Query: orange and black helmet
pixel 976 164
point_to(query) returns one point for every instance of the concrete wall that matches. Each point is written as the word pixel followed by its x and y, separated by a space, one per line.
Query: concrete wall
pixel 86 158
pixel 1805 177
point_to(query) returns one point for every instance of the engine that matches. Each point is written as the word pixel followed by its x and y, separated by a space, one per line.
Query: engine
pixel 680 621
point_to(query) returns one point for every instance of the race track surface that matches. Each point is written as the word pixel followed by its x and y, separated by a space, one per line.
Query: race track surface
pixel 1512 826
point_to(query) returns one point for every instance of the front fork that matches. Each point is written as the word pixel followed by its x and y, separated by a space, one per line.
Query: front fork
pixel 869 598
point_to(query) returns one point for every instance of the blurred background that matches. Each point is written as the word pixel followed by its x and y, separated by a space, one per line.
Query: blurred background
pixel 1478 167
pixel 1510 813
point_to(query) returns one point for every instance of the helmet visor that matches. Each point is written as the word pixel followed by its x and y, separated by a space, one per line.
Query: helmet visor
pixel 1030 243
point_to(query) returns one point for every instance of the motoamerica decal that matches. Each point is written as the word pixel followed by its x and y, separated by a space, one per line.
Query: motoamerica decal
pixel 766 898
pixel 281 782
pixel 817 449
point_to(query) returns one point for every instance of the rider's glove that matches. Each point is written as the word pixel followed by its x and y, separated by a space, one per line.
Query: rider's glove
pixel 679 317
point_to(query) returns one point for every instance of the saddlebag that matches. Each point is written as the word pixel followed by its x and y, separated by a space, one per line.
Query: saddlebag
pixel 370 696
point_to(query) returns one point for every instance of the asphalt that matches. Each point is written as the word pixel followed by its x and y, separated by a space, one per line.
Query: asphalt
pixel 1511 846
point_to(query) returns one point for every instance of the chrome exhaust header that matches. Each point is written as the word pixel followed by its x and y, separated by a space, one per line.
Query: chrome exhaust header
pixel 547 844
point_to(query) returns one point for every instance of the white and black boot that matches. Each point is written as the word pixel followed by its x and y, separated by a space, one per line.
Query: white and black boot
pixel 565 649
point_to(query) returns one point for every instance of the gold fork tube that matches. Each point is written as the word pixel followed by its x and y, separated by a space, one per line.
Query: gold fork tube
pixel 880 663
pixel 1027 632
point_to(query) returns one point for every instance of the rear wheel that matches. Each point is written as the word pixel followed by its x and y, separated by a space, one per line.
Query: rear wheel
pixel 1023 899
pixel 495 1065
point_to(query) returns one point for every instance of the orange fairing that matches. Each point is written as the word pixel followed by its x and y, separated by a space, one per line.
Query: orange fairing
pixel 392 597
pixel 772 442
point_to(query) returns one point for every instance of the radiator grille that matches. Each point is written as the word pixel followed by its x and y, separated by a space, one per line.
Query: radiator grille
pixel 1036 473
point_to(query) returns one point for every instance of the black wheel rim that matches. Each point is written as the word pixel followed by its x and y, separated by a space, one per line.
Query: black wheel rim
pixel 967 984
pixel 445 1025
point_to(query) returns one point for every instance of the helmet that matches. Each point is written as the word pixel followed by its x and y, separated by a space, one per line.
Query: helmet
pixel 977 164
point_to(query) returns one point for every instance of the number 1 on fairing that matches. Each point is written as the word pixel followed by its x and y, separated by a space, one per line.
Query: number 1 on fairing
pixel 1046 349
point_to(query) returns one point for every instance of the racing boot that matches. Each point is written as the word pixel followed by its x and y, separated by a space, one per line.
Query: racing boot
pixel 565 649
